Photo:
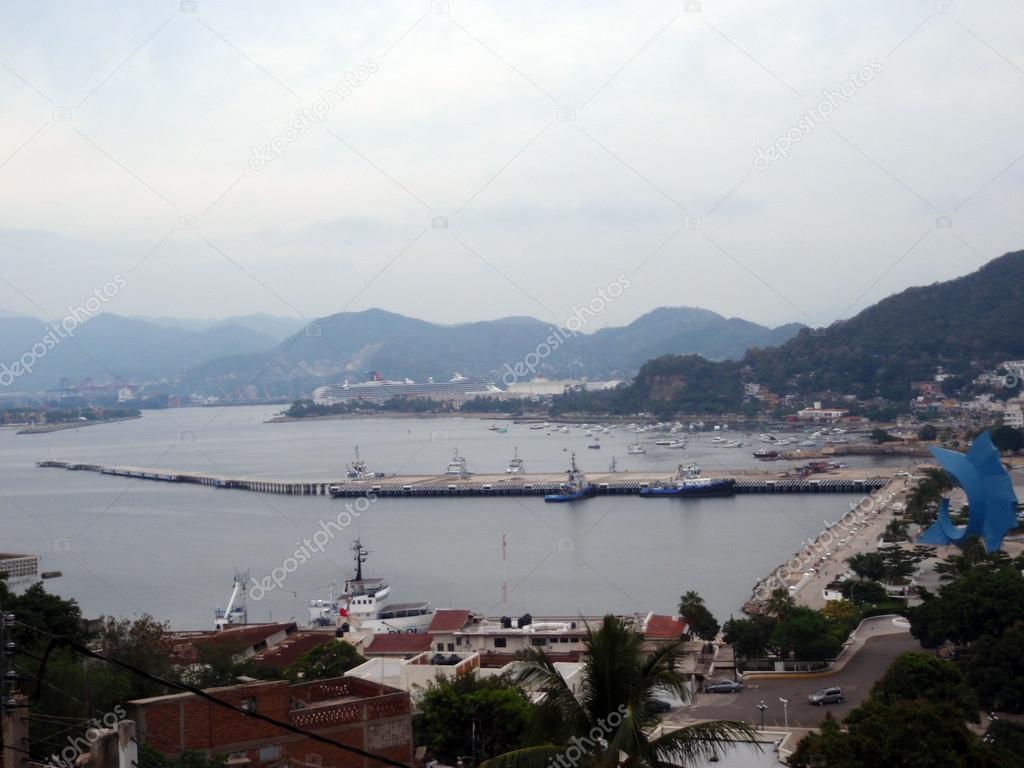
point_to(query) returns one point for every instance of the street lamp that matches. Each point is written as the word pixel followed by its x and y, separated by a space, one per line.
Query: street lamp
pixel 785 710
pixel 762 706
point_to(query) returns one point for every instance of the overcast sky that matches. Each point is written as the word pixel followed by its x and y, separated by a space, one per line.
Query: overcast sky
pixel 563 143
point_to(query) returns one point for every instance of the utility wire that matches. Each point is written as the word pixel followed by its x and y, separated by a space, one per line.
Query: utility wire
pixel 56 640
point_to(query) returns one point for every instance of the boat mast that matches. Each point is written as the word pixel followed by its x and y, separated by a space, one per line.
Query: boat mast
pixel 361 553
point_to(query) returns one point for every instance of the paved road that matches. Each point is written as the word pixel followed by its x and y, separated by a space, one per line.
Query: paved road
pixel 856 679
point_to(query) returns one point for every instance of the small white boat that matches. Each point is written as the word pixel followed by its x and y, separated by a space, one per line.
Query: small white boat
pixel 515 466
pixel 458 465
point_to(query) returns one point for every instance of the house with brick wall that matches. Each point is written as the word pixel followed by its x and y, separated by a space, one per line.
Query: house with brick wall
pixel 355 712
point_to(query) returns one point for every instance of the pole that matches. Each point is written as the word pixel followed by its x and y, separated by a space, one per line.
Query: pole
pixel 785 710
pixel 762 706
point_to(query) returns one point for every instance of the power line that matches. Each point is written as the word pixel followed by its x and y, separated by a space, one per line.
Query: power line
pixel 56 640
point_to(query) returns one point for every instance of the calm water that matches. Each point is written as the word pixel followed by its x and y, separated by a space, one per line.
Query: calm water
pixel 131 547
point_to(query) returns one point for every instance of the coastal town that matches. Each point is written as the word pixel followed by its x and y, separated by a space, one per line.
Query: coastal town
pixel 443 384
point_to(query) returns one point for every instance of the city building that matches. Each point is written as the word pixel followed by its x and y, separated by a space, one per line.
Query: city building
pixel 355 712
pixel 817 413
pixel 1013 416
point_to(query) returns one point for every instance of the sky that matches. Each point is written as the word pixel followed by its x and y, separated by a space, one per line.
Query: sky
pixel 456 161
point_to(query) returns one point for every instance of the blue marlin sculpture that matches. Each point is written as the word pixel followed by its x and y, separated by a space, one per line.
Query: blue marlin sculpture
pixel 993 504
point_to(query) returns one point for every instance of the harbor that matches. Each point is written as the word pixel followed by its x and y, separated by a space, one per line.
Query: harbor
pixel 412 486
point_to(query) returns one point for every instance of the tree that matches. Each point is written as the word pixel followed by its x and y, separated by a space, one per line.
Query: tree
pixel 751 637
pixel 331 659
pixel 780 602
pixel 807 636
pixel 982 602
pixel 922 676
pixel 841 612
pixel 868 565
pixel 909 734
pixel 995 669
pixel 928 432
pixel 1007 438
pixel 700 620
pixel 879 435
pixel 861 592
pixel 972 555
pixel 612 720
pixel 451 711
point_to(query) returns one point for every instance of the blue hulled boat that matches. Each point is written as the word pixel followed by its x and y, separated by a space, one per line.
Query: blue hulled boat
pixel 575 486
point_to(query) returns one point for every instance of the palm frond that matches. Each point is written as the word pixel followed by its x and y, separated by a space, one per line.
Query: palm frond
pixel 699 742
pixel 529 757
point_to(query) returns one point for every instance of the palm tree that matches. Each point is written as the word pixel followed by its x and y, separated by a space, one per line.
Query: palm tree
pixel 611 720
pixel 780 603
pixel 689 602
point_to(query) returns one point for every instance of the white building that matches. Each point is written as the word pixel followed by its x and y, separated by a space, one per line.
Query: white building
pixel 1014 417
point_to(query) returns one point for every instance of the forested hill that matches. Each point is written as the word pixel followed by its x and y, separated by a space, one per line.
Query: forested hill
pixel 966 325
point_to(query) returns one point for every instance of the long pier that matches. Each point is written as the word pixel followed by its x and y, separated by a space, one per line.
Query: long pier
pixel 484 485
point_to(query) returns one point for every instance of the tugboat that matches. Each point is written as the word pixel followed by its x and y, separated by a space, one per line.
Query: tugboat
pixel 458 465
pixel 364 605
pixel 689 482
pixel 575 486
pixel 515 466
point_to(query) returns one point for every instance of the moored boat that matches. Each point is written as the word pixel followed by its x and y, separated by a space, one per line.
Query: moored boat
pixel 576 486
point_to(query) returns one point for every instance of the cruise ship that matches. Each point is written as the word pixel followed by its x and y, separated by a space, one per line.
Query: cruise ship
pixel 364 605
pixel 378 388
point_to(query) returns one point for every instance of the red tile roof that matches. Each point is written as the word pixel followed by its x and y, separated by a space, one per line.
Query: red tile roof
pixel 398 644
pixel 448 621
pixel 660 627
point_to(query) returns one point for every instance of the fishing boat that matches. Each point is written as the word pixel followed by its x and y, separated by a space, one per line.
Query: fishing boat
pixel 688 482
pixel 576 486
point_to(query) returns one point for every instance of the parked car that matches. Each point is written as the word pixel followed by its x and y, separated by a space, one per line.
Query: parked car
pixel 722 686
pixel 826 696
pixel 660 705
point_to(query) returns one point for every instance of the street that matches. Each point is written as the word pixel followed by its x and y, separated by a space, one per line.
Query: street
pixel 856 680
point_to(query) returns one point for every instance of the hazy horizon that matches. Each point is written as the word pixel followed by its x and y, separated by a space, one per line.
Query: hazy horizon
pixel 457 162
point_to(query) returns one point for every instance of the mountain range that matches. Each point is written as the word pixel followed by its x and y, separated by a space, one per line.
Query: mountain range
pixel 351 344
pixel 279 353
pixel 965 326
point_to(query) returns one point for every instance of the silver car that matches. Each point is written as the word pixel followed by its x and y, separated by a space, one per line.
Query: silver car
pixel 722 686
pixel 826 696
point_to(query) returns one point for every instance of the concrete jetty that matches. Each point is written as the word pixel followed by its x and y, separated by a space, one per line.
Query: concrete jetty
pixel 617 483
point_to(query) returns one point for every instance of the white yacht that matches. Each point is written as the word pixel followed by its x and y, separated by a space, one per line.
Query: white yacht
pixel 364 605
pixel 515 466
pixel 458 465
pixel 636 449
